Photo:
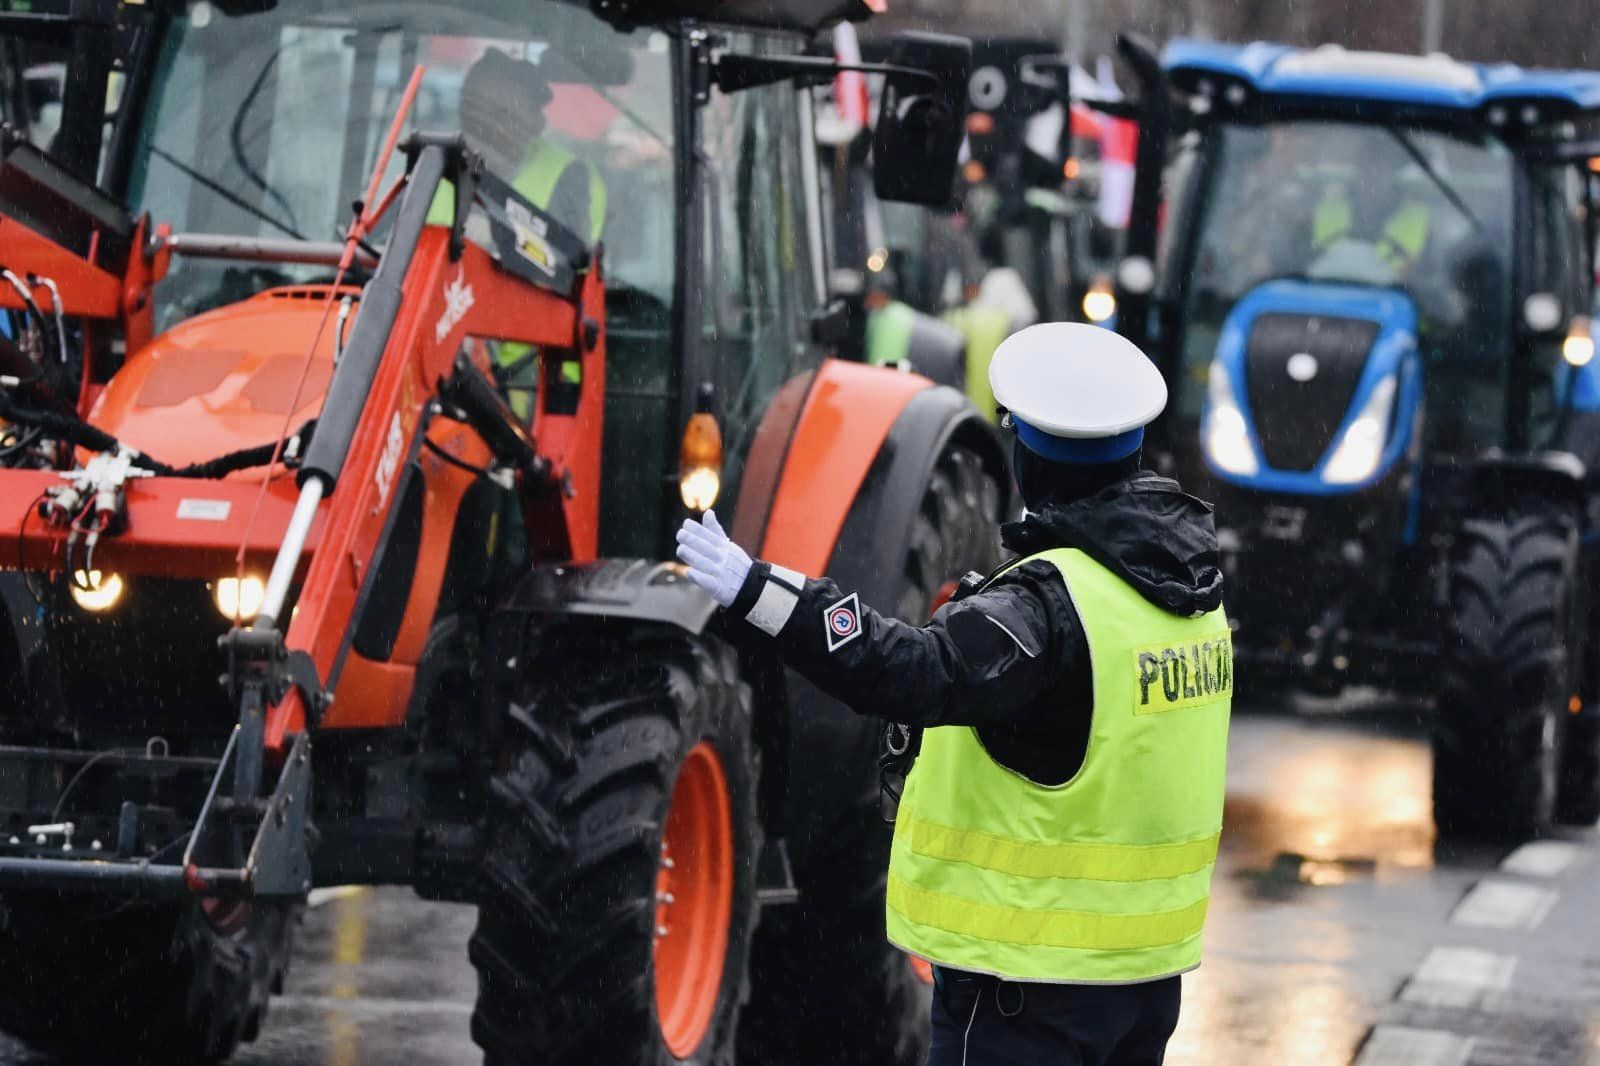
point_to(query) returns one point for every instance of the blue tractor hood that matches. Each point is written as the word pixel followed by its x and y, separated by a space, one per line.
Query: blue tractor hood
pixel 1330 73
pixel 1315 388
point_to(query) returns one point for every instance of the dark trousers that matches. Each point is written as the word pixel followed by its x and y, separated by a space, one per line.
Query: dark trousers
pixel 982 1021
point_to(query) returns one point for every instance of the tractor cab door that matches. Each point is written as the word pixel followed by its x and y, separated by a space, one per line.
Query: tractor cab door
pixel 763 278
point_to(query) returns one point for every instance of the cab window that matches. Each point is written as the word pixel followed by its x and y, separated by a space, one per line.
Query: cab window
pixel 760 280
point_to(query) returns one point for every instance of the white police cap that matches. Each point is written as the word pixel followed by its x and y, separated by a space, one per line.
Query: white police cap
pixel 1078 382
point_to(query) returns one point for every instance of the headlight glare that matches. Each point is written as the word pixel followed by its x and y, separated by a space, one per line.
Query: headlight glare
pixel 94 590
pixel 1227 436
pixel 239 600
pixel 1360 448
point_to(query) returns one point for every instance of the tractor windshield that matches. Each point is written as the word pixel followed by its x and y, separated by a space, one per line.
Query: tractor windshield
pixel 267 124
pixel 1421 210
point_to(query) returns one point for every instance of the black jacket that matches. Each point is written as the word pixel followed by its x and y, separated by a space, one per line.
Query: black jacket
pixel 1012 659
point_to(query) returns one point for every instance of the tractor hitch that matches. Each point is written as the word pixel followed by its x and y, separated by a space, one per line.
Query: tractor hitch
pixel 214 861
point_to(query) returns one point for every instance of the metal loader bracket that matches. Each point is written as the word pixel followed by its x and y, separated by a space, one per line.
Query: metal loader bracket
pixel 279 859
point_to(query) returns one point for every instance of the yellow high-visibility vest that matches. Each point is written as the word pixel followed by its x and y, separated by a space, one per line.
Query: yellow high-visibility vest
pixel 1103 879
pixel 536 182
pixel 1405 231
pixel 984 328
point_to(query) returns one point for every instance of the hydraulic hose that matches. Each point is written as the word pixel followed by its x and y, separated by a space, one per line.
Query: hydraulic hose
pixel 77 432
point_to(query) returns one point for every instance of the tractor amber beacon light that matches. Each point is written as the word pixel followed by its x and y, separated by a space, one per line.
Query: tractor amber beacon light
pixel 700 458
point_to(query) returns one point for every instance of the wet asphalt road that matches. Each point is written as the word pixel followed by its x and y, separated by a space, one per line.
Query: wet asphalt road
pixel 1338 932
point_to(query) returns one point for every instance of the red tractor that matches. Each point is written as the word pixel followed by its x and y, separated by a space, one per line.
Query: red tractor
pixel 406 484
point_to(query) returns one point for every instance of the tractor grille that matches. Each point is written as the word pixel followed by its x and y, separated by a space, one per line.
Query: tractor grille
pixel 1296 419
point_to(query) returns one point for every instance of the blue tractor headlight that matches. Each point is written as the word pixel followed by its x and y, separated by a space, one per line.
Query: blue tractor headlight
pixel 1226 435
pixel 1360 447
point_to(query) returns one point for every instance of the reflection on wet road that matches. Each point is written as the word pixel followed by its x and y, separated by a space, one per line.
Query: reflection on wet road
pixel 1326 862
pixel 1337 934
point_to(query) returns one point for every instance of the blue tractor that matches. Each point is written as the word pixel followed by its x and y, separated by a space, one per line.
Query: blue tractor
pixel 1368 278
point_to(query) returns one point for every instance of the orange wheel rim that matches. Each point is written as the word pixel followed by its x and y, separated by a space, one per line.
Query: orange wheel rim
pixel 946 592
pixel 922 968
pixel 694 901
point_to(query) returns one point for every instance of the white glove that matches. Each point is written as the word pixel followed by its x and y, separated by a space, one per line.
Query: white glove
pixel 715 563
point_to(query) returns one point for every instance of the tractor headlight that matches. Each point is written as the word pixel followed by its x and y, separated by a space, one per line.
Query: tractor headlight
pixel 1578 347
pixel 1226 434
pixel 94 590
pixel 239 599
pixel 1360 448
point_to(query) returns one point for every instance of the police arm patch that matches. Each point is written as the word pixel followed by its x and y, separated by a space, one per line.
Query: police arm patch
pixel 842 622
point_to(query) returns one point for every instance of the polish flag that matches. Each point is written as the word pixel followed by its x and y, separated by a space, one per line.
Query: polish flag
pixel 849 86
pixel 1119 137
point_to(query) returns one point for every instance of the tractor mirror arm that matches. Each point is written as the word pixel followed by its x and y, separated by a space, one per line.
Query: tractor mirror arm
pixel 733 73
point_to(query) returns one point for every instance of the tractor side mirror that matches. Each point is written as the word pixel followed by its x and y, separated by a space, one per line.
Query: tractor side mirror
pixel 920 126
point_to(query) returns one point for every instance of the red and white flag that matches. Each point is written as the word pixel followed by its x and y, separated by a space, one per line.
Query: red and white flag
pixel 850 86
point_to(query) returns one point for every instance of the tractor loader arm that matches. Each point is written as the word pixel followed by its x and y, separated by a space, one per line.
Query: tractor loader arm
pixel 409 365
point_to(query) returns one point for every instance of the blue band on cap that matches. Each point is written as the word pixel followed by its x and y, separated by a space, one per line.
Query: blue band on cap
pixel 1079 449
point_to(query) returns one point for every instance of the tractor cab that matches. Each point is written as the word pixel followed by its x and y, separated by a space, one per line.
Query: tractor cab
pixel 1030 178
pixel 1370 293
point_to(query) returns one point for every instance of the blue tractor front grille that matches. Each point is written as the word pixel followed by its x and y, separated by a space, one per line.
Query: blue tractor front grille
pixel 1301 373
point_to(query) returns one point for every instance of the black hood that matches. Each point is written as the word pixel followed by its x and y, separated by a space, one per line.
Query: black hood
pixel 1146 530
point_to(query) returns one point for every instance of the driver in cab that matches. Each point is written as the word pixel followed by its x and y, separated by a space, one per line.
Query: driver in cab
pixel 502 117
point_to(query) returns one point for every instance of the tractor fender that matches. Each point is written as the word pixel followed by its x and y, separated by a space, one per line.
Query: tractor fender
pixel 1498 479
pixel 831 764
pixel 628 590
pixel 847 415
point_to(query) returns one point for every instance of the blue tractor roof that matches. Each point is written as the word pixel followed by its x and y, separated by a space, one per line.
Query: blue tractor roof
pixel 1332 71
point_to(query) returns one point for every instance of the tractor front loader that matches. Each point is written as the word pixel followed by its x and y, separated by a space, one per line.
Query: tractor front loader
pixel 331 546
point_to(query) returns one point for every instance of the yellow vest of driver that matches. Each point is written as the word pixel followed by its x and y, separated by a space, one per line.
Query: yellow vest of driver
pixel 536 182
pixel 1104 879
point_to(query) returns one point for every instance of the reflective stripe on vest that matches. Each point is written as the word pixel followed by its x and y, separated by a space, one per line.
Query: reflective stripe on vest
pixel 1106 878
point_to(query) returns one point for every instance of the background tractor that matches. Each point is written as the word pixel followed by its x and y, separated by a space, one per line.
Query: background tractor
pixel 1370 292
pixel 1031 179
pixel 405 481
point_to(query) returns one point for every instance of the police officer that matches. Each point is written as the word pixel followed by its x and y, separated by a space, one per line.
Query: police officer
pixel 1054 845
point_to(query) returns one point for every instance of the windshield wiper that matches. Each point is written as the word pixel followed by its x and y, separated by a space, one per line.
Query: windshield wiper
pixel 226 193
pixel 236 136
pixel 1433 175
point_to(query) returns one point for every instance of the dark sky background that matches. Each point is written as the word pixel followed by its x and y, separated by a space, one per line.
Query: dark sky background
pixel 1551 33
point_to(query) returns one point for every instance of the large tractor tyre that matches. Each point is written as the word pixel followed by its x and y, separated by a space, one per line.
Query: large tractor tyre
pixel 85 978
pixel 1506 676
pixel 826 957
pixel 618 894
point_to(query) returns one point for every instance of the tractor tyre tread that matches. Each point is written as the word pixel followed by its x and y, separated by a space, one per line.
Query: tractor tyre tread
pixel 1503 678
pixel 167 988
pixel 566 917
